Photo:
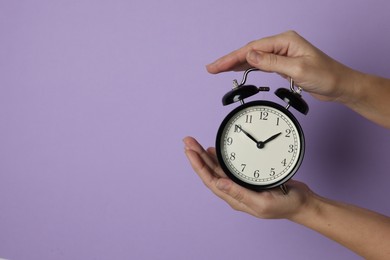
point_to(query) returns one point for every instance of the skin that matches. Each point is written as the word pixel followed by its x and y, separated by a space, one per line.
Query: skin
pixel 365 232
pixel 290 55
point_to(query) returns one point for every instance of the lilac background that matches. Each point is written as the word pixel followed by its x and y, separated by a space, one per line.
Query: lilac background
pixel 95 97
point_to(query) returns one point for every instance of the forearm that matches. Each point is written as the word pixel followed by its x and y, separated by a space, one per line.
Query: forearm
pixel 365 232
pixel 369 96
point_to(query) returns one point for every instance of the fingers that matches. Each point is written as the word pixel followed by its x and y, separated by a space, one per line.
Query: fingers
pixel 271 54
pixel 266 204
pixel 236 196
pixel 269 62
pixel 208 157
pixel 210 173
pixel 237 60
pixel 213 154
pixel 201 168
pixel 234 61
pixel 264 61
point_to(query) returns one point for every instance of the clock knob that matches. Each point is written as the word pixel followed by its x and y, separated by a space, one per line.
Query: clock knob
pixel 293 99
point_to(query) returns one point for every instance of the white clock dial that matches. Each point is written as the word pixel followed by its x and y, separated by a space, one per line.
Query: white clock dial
pixel 260 144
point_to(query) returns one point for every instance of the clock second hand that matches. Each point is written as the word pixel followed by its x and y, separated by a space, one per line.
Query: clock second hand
pixel 247 134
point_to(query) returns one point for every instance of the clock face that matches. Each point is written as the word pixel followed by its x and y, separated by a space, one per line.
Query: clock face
pixel 260 145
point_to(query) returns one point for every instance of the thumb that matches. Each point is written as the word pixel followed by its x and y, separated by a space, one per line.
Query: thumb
pixel 270 62
pixel 237 193
pixel 236 196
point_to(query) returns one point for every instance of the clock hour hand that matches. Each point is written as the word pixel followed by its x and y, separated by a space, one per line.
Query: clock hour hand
pixel 247 134
pixel 261 144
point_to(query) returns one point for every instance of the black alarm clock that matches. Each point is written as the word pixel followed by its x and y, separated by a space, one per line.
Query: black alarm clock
pixel 260 144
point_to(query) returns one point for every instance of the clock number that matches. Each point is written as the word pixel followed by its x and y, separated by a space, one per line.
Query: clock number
pixel 232 156
pixel 288 132
pixel 229 141
pixel 248 119
pixel 272 172
pixel 277 121
pixel 284 162
pixel 263 115
pixel 243 167
pixel 291 148
pixel 237 128
pixel 256 174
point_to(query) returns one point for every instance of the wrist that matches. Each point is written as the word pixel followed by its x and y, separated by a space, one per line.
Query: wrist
pixel 309 211
pixel 350 85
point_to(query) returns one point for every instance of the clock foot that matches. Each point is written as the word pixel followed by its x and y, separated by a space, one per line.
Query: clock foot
pixel 284 189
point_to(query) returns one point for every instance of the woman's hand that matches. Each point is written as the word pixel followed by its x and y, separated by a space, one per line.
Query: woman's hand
pixel 365 232
pixel 266 204
pixel 290 55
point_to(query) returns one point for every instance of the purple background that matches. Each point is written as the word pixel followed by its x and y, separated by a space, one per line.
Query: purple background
pixel 95 97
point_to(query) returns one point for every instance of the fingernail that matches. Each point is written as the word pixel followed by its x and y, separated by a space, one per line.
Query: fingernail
pixel 186 145
pixel 253 57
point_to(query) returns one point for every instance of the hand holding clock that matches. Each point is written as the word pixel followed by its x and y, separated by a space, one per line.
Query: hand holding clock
pixel 292 56
pixel 268 204
pixel 365 232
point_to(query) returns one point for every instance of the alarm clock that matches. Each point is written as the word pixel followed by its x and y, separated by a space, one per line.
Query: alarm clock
pixel 260 144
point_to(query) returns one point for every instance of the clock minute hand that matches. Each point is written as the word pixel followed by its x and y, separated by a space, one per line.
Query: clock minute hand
pixel 247 134
pixel 261 144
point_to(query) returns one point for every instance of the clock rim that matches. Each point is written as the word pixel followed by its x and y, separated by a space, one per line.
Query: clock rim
pixel 218 143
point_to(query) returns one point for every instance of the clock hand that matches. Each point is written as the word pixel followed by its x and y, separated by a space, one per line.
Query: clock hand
pixel 272 137
pixel 261 144
pixel 247 134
